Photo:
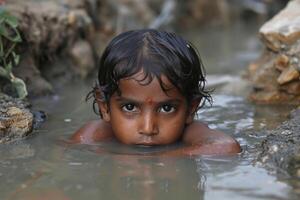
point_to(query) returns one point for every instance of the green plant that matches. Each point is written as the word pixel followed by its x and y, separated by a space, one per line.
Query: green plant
pixel 9 37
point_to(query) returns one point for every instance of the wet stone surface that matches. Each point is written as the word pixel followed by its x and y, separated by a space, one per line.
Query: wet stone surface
pixel 16 120
pixel 280 150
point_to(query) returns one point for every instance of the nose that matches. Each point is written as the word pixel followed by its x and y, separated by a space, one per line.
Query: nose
pixel 148 125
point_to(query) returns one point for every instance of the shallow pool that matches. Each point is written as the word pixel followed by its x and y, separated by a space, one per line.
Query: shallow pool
pixel 42 167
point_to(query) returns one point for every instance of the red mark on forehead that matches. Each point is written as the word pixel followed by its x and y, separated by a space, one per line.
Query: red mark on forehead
pixel 149 100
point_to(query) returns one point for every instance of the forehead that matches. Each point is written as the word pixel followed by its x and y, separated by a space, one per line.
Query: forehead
pixel 140 88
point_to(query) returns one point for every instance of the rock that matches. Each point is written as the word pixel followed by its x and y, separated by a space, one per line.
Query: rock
pixel 50 30
pixel 281 62
pixel 29 72
pixel 280 150
pixel 82 57
pixel 287 75
pixel 16 121
pixel 263 75
pixel 275 76
pixel 265 97
pixel 292 88
pixel 283 29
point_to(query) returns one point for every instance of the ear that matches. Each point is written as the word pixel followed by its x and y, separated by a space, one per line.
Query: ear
pixel 192 111
pixel 102 105
pixel 104 110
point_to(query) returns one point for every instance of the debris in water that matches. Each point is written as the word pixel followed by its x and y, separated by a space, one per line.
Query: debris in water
pixel 67 120
pixel 75 163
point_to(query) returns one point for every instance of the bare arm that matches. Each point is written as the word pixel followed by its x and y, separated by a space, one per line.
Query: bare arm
pixel 91 132
pixel 201 140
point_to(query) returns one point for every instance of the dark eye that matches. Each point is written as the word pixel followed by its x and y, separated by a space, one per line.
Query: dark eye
pixel 167 108
pixel 129 107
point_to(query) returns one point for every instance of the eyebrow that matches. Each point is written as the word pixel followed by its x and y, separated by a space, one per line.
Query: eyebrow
pixel 127 99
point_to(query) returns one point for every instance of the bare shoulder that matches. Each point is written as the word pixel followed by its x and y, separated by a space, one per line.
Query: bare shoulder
pixel 200 139
pixel 93 131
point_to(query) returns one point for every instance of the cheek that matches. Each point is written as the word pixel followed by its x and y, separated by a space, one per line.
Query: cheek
pixel 172 129
pixel 123 128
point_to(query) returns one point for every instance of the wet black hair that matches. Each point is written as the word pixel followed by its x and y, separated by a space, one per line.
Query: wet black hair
pixel 156 53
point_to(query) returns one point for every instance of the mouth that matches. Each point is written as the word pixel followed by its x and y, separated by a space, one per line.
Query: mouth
pixel 146 142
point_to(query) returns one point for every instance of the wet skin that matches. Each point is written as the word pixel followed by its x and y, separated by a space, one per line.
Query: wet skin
pixel 143 114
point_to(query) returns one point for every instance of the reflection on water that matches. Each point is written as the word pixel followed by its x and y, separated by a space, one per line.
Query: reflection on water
pixel 43 168
pixel 226 50
pixel 235 115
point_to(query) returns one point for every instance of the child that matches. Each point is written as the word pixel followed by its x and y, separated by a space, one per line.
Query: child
pixel 151 84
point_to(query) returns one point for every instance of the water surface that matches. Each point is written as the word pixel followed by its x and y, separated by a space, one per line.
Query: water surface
pixel 41 167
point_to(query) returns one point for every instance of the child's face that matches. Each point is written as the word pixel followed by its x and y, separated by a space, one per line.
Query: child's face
pixel 145 114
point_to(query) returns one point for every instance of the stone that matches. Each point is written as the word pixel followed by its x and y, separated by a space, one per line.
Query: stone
pixel 265 97
pixel 13 111
pixel 265 76
pixel 19 121
pixel 275 76
pixel 287 75
pixel 27 70
pixel 283 29
pixel 82 57
pixel 292 88
pixel 49 30
pixel 280 150
pixel 281 62
pixel 16 120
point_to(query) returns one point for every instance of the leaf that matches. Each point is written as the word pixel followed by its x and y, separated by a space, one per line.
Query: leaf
pixel 2 20
pixel 8 26
pixel 13 37
pixel 8 67
pixel 3 73
pixel 9 31
pixel 3 30
pixel 16 58
pixel 1 47
pixel 11 20
pixel 20 87
pixel 17 37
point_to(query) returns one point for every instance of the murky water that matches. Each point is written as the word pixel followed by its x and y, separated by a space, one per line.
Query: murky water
pixel 41 167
